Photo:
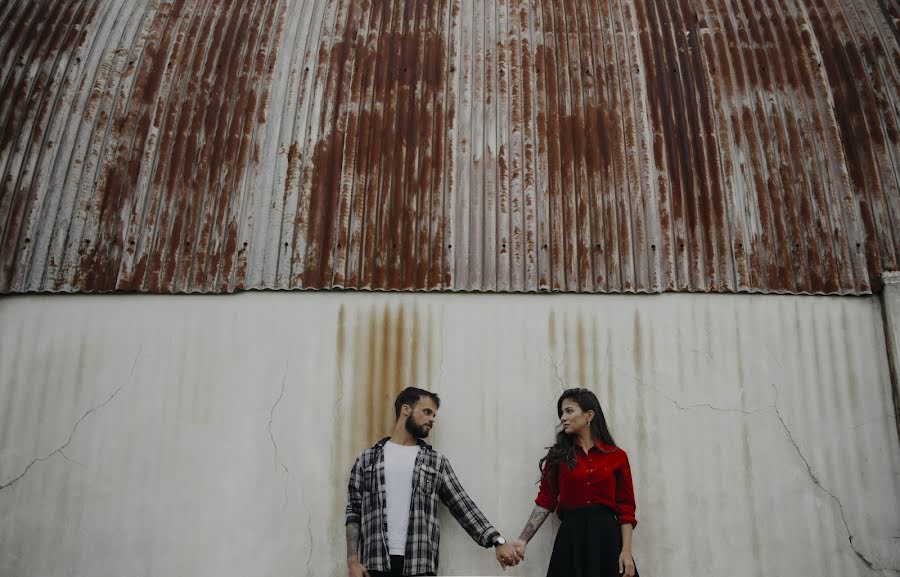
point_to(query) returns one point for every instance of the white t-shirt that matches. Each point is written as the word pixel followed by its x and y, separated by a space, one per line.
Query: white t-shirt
pixel 399 465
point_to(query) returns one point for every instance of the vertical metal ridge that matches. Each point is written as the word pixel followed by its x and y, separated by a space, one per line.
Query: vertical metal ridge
pixel 504 145
pixel 520 247
pixel 532 176
pixel 872 188
pixel 202 219
pixel 20 89
pixel 475 217
pixel 558 248
pixel 144 166
pixel 884 87
pixel 843 91
pixel 37 263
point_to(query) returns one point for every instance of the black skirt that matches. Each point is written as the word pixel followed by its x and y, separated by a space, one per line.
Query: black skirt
pixel 587 544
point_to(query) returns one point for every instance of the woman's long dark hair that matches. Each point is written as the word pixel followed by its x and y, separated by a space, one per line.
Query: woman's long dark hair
pixel 564 449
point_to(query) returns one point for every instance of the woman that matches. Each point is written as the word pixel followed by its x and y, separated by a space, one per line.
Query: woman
pixel 587 479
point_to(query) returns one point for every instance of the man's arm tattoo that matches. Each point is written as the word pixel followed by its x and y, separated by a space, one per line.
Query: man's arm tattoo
pixel 538 516
pixel 352 540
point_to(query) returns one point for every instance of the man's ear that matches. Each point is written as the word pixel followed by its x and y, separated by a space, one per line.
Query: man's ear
pixel 405 410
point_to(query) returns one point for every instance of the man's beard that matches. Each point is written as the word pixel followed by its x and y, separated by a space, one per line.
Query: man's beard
pixel 417 431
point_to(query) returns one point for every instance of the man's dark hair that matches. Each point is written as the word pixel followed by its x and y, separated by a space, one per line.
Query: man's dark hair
pixel 410 396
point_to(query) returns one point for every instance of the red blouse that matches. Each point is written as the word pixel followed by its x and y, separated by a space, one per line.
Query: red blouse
pixel 602 476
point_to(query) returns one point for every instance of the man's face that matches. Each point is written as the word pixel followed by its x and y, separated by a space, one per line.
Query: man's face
pixel 421 420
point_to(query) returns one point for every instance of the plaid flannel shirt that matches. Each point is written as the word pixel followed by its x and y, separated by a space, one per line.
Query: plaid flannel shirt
pixel 433 479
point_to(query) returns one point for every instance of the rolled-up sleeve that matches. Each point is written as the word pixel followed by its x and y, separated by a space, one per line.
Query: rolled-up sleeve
pixel 548 494
pixel 354 495
pixel 625 505
pixel 463 509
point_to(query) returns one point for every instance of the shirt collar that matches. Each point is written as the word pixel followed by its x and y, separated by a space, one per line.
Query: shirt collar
pixel 421 442
pixel 599 445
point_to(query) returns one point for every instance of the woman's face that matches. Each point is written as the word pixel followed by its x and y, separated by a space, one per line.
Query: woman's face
pixel 573 420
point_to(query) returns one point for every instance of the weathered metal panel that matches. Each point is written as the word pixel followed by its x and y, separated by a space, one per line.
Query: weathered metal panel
pixel 205 436
pixel 487 145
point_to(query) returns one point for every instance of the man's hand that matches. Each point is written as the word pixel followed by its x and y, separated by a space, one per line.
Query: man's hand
pixel 507 555
pixel 356 569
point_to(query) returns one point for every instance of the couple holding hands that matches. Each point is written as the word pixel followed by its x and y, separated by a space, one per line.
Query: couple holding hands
pixel 394 489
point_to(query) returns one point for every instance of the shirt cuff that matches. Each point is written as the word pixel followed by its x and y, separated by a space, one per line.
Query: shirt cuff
pixel 489 538
pixel 627 520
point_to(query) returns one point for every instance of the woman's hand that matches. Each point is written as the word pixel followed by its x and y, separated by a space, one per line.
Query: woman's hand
pixel 519 545
pixel 507 556
pixel 626 564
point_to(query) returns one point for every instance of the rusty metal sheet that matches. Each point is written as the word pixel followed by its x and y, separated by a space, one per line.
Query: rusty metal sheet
pixel 491 145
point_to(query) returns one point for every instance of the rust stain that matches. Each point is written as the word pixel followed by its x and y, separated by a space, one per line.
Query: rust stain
pixel 38 34
pixel 206 116
pixel 374 377
pixel 429 345
pixel 551 332
pixel 343 454
pixel 581 348
pixel 360 381
pixel 745 146
pixel 40 37
pixel 610 369
pixel 862 138
pixel 414 338
pixel 638 343
pixel 384 359
pixel 596 361
pixel 379 407
pixel 374 87
pixel 641 415
pixel 341 343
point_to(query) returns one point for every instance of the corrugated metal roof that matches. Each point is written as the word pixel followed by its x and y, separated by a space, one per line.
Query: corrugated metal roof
pixel 489 146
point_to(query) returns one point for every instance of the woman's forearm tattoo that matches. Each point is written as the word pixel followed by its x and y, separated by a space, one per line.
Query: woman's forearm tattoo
pixel 352 540
pixel 538 516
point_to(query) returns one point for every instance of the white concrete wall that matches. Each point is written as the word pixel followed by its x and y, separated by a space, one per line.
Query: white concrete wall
pixel 212 436
pixel 891 304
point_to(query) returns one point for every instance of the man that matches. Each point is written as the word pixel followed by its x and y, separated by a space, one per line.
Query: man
pixel 392 524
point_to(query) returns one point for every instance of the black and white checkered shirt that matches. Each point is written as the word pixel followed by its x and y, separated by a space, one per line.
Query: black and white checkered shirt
pixel 433 479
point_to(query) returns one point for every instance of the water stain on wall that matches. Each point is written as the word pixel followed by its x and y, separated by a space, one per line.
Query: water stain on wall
pixel 381 349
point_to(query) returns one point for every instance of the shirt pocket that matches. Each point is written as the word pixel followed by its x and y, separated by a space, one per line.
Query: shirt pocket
pixel 369 479
pixel 428 480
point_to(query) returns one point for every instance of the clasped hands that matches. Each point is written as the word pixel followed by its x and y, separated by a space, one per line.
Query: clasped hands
pixel 511 554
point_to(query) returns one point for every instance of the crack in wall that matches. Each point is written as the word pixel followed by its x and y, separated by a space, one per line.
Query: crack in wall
pixel 66 457
pixel 61 448
pixel 558 374
pixel 309 534
pixel 557 369
pixel 815 479
pixel 681 407
pixel 275 458
pixel 287 473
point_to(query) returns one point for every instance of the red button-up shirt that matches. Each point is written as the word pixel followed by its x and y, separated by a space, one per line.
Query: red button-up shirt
pixel 600 477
